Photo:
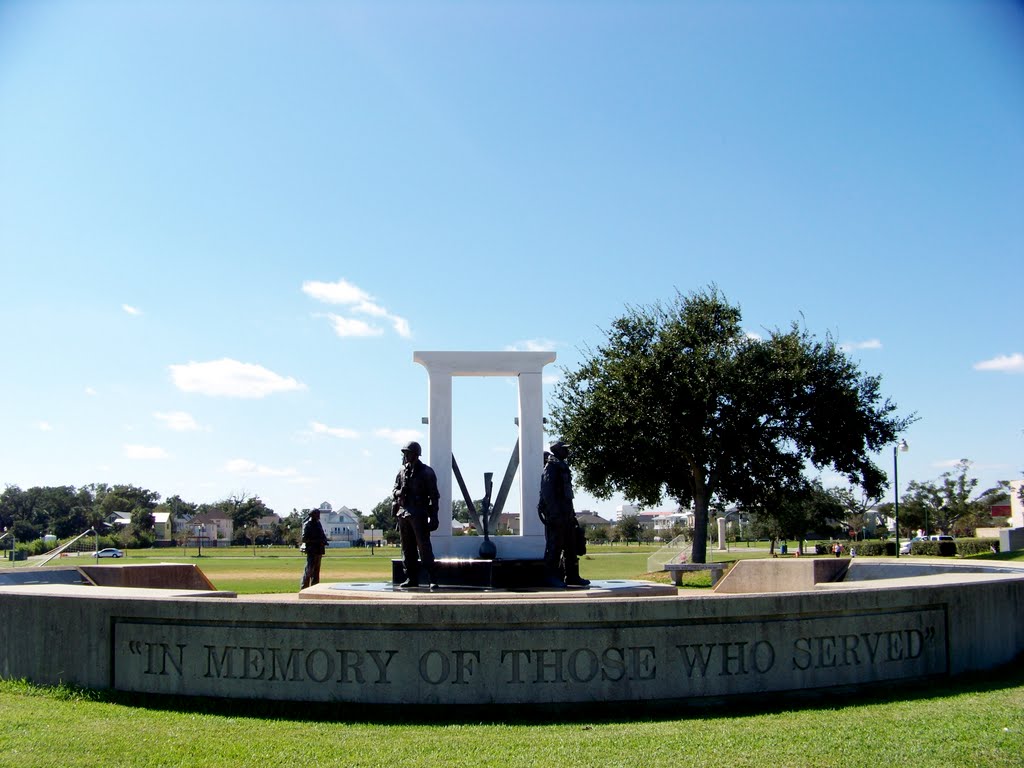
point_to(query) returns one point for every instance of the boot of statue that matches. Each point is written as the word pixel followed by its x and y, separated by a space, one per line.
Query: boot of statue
pixel 411 579
pixel 572 575
pixel 430 576
pixel 552 578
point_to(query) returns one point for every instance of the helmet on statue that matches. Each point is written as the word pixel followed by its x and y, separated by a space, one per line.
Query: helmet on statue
pixel 559 449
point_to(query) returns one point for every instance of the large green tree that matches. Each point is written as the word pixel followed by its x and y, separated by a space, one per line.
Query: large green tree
pixel 136 501
pixel 381 516
pixel 944 506
pixel 792 512
pixel 679 401
pixel 856 507
pixel 629 528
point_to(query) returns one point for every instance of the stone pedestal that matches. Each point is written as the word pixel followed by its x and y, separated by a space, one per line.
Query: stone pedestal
pixel 482 574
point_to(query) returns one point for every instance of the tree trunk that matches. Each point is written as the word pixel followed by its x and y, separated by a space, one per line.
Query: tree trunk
pixel 699 553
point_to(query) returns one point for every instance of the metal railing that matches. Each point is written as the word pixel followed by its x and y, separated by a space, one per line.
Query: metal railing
pixel 48 556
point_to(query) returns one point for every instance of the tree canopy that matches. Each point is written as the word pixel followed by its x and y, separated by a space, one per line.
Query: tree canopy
pixel 679 401
pixel 796 511
pixel 946 506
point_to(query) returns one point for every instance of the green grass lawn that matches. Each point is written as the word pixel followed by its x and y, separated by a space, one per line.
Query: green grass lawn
pixel 279 569
pixel 976 721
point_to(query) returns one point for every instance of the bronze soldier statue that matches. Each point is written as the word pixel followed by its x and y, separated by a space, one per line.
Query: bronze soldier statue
pixel 414 502
pixel 562 534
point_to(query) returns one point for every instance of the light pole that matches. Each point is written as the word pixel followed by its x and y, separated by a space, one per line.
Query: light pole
pixel 900 446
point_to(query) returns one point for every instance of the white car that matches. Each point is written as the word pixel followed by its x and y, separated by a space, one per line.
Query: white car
pixel 905 546
pixel 109 552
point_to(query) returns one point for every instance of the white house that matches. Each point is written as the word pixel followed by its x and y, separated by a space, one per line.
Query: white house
pixel 213 527
pixel 342 525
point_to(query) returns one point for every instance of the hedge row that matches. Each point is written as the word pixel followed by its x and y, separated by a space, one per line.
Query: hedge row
pixel 874 548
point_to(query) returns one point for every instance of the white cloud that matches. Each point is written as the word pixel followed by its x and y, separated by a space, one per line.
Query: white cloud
pixel 850 346
pixel 359 302
pixel 134 311
pixel 550 379
pixel 230 378
pixel 177 421
pixel 369 308
pixel 347 326
pixel 398 436
pixel 949 463
pixel 44 426
pixel 401 326
pixel 1007 363
pixel 532 345
pixel 323 429
pixel 341 292
pixel 144 452
pixel 90 392
pixel 246 467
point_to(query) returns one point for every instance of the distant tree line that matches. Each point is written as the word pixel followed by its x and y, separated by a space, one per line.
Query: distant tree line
pixel 65 511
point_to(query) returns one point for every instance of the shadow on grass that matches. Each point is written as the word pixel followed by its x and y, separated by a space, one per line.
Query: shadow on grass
pixel 839 697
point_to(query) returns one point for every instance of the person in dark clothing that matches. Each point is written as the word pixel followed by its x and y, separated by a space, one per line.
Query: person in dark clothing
pixel 315 542
pixel 414 502
pixel 561 530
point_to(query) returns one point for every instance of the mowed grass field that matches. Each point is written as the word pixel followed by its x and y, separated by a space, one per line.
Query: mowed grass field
pixel 977 721
pixel 270 570
pixel 279 569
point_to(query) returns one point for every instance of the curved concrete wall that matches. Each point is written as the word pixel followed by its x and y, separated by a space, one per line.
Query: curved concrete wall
pixel 512 650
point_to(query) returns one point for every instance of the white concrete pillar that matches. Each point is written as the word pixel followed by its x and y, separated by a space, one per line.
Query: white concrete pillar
pixel 439 451
pixel 721 534
pixel 531 451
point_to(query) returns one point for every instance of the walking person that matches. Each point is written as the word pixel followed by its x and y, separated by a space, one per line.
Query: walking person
pixel 314 541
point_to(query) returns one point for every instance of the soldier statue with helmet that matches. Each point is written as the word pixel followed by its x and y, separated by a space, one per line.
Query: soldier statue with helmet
pixel 414 501
pixel 564 541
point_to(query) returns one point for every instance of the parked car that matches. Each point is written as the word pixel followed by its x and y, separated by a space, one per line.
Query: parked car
pixel 948 549
pixel 905 546
pixel 109 552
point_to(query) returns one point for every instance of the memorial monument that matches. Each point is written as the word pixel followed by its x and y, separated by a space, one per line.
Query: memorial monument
pixel 768 627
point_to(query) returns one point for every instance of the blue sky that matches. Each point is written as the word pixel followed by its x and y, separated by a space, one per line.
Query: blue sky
pixel 226 227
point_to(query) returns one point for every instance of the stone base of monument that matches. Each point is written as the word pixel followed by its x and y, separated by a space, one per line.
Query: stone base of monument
pixel 384 592
pixel 481 574
pixel 779 629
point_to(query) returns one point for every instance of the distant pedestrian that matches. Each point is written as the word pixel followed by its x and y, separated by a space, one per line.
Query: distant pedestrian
pixel 314 541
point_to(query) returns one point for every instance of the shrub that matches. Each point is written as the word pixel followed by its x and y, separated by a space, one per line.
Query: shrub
pixel 870 548
pixel 933 548
pixel 965 547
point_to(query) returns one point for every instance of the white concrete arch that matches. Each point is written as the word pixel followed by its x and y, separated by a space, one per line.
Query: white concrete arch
pixel 527 368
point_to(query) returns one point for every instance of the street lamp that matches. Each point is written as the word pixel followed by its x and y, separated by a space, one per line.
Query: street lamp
pixel 900 446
